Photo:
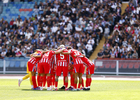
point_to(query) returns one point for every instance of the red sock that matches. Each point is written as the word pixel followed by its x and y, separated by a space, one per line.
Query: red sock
pixel 75 85
pixel 38 82
pixel 90 80
pixel 41 79
pixel 34 81
pixel 64 83
pixel 53 80
pixel 44 81
pixel 48 81
pixel 56 83
pixel 87 82
pixel 72 81
pixel 79 85
pixel 82 82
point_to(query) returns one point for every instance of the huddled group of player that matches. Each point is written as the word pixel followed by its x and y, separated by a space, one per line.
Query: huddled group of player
pixel 51 63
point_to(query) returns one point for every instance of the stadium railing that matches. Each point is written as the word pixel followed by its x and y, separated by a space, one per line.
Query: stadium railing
pixel 117 66
pixel 13 65
pixel 102 66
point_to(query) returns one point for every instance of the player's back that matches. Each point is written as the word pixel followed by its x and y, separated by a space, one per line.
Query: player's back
pixel 62 60
pixel 34 60
pixel 47 57
pixel 61 57
pixel 87 61
pixel 76 56
pixel 49 54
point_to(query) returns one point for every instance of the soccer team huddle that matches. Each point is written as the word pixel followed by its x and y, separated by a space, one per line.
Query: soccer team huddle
pixel 49 64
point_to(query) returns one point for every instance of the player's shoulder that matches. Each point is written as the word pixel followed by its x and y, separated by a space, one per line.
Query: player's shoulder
pixel 66 50
pixel 52 51
pixel 72 50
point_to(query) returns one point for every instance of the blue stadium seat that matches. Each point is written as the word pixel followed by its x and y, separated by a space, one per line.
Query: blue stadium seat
pixel 7 63
pixel 16 57
pixel 21 57
pixel 32 12
pixel 6 58
pixel 10 5
pixel 16 15
pixel 12 63
pixel 35 27
pixel 23 64
pixel 31 3
pixel 18 7
pixel 1 63
pixel 23 7
pixel 11 2
pixel 25 2
pixel 17 64
pixel 30 15
pixel 22 17
pixel 11 57
pixel 27 59
pixel 7 10
pixel 4 17
pixel 40 12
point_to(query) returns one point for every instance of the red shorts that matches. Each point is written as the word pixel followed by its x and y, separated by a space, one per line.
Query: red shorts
pixel 31 67
pixel 38 68
pixel 44 68
pixel 78 68
pixel 90 70
pixel 71 68
pixel 83 69
pixel 52 71
pixel 60 69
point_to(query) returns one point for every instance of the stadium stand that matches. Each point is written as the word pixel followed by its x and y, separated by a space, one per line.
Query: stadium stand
pixel 26 26
pixel 124 41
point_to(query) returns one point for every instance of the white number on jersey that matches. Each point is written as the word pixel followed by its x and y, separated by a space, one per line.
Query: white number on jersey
pixel 77 53
pixel 46 54
pixel 61 56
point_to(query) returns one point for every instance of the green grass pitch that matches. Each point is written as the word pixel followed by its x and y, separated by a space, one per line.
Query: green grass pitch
pixel 100 90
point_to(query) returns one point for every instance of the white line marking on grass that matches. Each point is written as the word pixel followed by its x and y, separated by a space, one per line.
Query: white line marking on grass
pixel 93 78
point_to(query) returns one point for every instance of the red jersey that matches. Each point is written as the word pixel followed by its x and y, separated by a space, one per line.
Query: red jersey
pixel 76 59
pixel 47 57
pixel 87 61
pixel 62 60
pixel 34 60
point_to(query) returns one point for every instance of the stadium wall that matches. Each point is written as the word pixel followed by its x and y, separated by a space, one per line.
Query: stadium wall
pixel 102 66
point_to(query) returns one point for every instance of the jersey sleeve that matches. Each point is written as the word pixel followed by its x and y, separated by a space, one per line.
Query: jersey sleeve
pixel 53 52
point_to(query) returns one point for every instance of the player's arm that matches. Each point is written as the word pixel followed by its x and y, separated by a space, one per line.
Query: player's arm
pixel 31 55
pixel 46 51
pixel 59 51
pixel 65 53
pixel 82 55
pixel 36 55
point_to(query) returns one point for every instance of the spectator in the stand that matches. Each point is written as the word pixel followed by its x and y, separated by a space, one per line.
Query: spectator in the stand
pixel 91 41
pixel 18 18
pixel 12 53
pixel 18 53
pixel 28 53
pixel 100 54
pixel 112 54
pixel 82 51
pixel 8 53
pixel 106 54
pixel 12 22
pixel 135 54
pixel 3 53
pixel 89 49
pixel 70 22
pixel 36 10
pixel 124 55
pixel 107 31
